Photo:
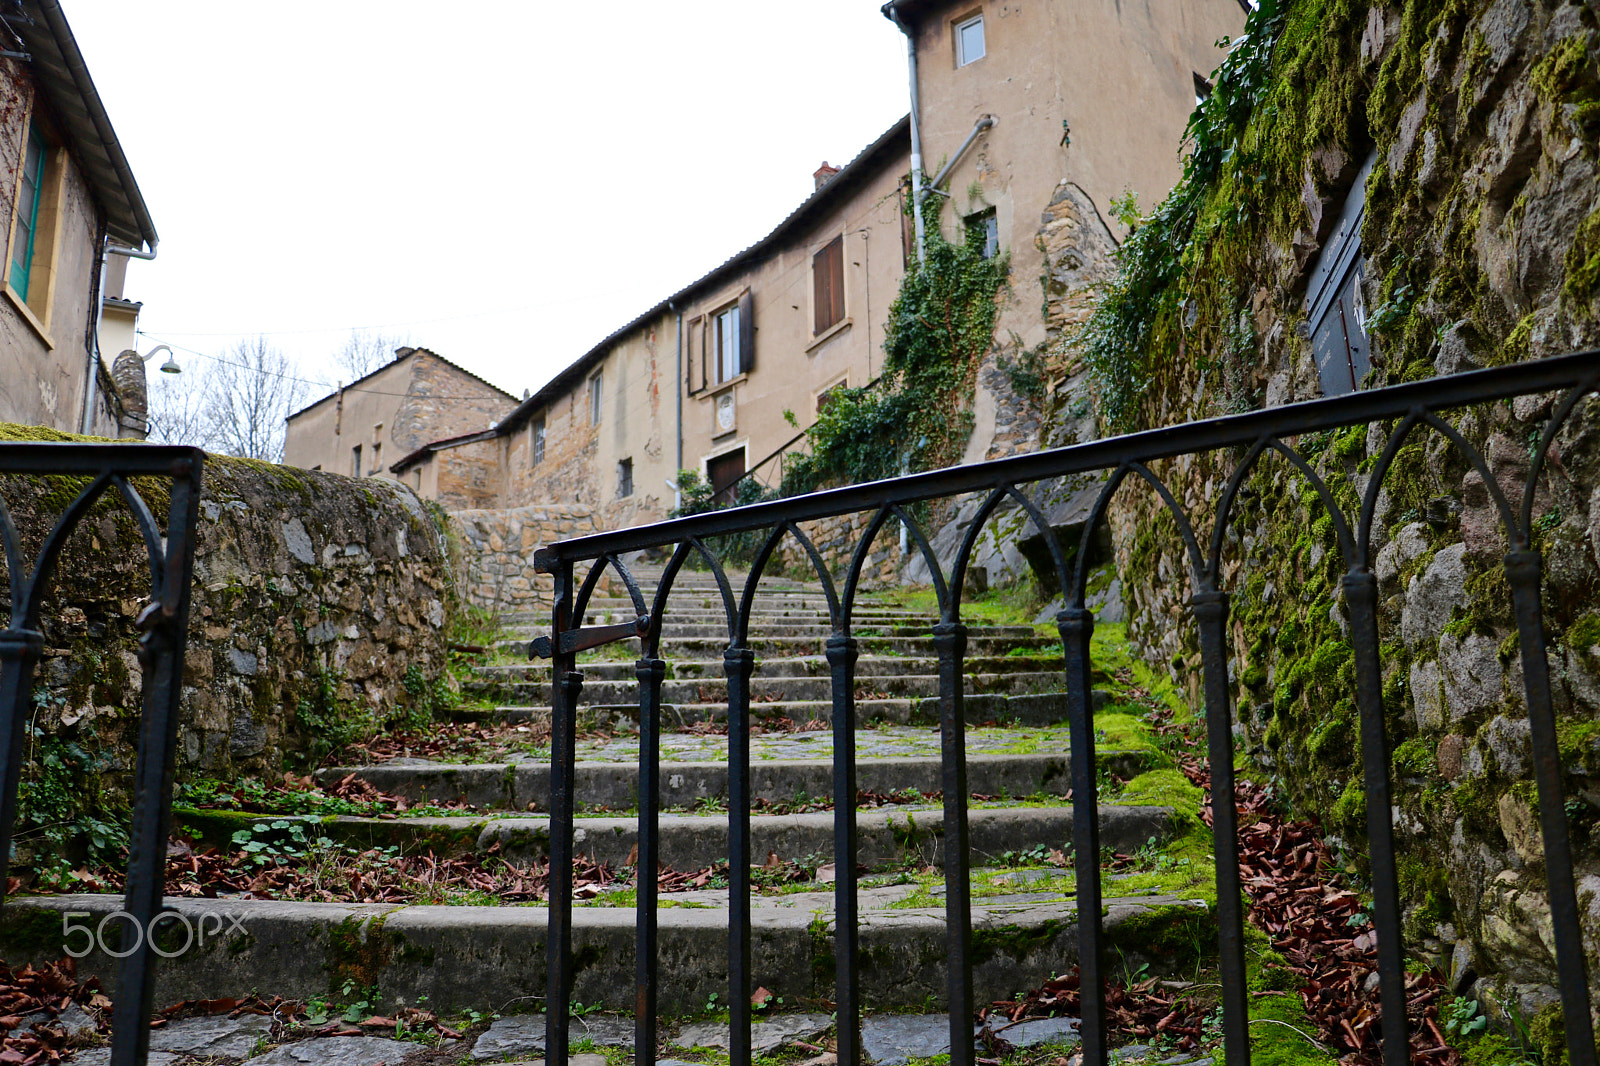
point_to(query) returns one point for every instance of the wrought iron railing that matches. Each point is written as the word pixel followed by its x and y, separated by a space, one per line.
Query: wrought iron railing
pixel 170 548
pixel 1255 434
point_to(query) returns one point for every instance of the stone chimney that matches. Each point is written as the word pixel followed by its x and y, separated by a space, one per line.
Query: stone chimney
pixel 824 174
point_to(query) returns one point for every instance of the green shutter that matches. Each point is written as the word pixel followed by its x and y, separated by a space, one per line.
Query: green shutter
pixel 27 223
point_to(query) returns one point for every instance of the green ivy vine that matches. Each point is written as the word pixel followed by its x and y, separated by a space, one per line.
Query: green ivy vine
pixel 919 414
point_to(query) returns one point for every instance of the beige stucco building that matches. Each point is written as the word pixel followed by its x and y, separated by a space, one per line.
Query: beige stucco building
pixel 364 428
pixel 703 379
pixel 1093 92
pixel 71 207
pixel 1011 101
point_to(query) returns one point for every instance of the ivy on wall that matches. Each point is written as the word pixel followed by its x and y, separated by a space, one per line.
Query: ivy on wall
pixel 919 415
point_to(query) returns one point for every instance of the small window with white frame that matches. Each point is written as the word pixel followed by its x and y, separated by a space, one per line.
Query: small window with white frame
pixel 625 478
pixel 726 336
pixel 970 46
pixel 537 451
pixel 596 395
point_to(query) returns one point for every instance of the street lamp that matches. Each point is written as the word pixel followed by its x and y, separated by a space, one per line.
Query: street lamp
pixel 170 366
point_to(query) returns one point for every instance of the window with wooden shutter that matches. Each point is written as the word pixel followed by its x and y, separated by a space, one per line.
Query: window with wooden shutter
pixel 827 286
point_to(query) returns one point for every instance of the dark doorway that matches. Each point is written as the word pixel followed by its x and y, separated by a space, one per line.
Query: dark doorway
pixel 722 472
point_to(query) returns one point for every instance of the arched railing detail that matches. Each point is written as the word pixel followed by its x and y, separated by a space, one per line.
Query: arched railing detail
pixel 1406 407
pixel 164 626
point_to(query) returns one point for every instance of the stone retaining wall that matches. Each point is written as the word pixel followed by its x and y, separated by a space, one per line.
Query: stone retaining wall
pixel 495 567
pixel 317 598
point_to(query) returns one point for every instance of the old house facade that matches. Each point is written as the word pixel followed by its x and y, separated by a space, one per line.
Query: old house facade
pixel 703 380
pixel 1011 103
pixel 363 428
pixel 72 207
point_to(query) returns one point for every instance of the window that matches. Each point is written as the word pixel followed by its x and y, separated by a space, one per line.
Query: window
pixel 31 259
pixel 625 478
pixel 1335 308
pixel 377 460
pixel 355 461
pixel 596 394
pixel 826 396
pixel 720 345
pixel 726 335
pixel 969 40
pixel 827 286
pixel 538 440
pixel 25 230
pixel 985 224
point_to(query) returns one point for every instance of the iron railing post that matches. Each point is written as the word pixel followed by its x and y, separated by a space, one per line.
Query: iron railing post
pixel 739 664
pixel 1523 570
pixel 650 672
pixel 161 657
pixel 565 690
pixel 950 645
pixel 1361 595
pixel 842 654
pixel 19 654
pixel 1211 614
pixel 1076 625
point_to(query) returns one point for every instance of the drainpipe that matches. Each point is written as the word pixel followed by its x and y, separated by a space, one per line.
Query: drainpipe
pixel 892 13
pixel 984 122
pixel 96 313
pixel 677 493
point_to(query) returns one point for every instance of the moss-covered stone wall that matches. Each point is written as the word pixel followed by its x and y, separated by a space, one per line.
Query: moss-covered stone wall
pixel 1482 245
pixel 318 600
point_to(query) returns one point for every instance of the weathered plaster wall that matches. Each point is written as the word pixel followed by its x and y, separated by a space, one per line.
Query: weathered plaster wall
pixel 314 594
pixel 1481 237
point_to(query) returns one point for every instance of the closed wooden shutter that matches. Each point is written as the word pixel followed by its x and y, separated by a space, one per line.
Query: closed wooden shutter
pixel 747 332
pixel 694 348
pixel 827 286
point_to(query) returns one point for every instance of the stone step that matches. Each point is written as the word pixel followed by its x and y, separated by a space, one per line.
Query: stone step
pixel 1036 709
pixel 799 666
pixel 523 786
pixel 480 958
pixel 711 648
pixel 766 689
pixel 886 836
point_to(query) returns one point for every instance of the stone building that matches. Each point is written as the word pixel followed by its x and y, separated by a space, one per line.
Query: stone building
pixel 73 213
pixel 363 429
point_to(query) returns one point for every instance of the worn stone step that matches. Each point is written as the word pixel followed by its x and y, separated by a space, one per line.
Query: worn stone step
pixel 479 958
pixel 892 836
pixel 766 689
pixel 799 666
pixel 613 785
pixel 1036 709
pixel 701 648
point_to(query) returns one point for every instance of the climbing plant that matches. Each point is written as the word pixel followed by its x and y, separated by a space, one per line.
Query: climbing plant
pixel 919 415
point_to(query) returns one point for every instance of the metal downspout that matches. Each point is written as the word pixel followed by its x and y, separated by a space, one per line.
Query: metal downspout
pixel 91 343
pixel 892 13
pixel 677 493
pixel 984 122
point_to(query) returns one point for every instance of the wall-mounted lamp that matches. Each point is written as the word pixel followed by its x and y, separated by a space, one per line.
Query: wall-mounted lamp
pixel 170 366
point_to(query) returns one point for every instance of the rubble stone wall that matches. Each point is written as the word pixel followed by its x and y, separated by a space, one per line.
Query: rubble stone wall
pixel 311 592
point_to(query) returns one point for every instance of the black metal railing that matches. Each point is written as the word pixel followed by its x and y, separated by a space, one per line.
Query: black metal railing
pixel 1254 434
pixel 170 548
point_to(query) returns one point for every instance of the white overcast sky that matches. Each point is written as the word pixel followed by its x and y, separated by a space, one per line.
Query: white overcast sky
pixel 505 183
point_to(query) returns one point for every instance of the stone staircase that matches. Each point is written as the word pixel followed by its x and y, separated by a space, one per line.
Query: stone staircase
pixel 481 957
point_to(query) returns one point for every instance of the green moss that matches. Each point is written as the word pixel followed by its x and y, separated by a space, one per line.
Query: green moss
pixel 1348 817
pixel 29 932
pixel 358 952
pixel 1175 938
